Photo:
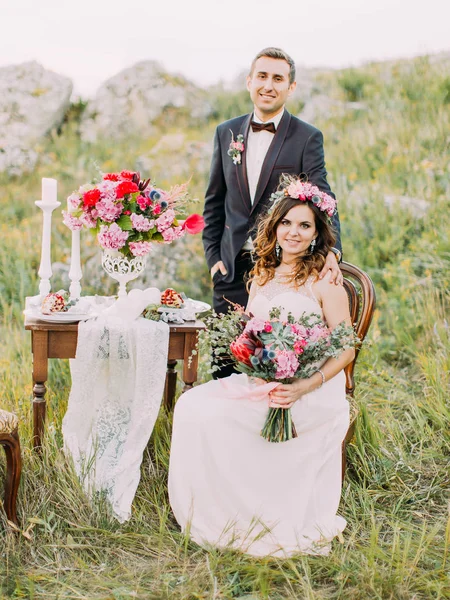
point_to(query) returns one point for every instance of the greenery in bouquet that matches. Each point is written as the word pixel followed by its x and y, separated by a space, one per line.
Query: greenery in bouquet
pixel 276 350
pixel 129 214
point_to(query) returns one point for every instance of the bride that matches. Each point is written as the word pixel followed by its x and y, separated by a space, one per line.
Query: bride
pixel 228 486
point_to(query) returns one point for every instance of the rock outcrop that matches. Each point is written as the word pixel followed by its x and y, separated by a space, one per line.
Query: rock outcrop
pixel 131 102
pixel 33 101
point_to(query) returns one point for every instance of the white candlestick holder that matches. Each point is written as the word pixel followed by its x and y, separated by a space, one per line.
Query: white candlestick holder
pixel 45 268
pixel 75 273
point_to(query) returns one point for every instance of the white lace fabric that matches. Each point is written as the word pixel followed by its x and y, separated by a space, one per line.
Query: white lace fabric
pixel 118 379
pixel 280 285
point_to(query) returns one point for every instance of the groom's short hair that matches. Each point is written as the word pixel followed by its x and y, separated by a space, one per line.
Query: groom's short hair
pixel 278 54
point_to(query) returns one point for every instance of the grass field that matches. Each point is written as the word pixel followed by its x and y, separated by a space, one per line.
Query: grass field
pixel 384 160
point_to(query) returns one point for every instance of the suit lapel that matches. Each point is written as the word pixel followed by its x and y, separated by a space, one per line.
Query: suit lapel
pixel 242 168
pixel 271 157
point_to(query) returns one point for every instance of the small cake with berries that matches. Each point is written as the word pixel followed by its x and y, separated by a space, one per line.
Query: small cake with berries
pixel 171 298
pixel 56 302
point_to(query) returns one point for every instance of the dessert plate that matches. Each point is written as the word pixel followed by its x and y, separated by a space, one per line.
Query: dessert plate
pixel 60 317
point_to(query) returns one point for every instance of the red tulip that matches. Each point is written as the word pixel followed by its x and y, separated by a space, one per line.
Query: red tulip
pixel 194 224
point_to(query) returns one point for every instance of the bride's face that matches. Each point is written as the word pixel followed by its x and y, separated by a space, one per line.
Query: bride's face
pixel 296 231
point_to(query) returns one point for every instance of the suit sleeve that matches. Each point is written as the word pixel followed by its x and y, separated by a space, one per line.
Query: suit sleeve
pixel 314 167
pixel 214 210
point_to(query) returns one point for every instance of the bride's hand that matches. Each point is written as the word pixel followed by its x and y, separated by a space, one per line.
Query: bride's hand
pixel 287 394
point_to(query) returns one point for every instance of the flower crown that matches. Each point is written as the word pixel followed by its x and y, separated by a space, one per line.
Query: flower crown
pixel 300 190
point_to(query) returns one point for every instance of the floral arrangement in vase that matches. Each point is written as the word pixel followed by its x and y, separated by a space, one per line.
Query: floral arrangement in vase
pixel 127 214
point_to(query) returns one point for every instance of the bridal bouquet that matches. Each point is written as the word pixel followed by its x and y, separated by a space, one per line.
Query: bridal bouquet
pixel 128 214
pixel 278 350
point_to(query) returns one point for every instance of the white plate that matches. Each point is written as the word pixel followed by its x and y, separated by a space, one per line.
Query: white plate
pixel 58 317
pixel 199 306
pixel 190 305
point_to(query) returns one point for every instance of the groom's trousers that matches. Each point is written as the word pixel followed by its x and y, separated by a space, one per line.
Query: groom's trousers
pixel 236 291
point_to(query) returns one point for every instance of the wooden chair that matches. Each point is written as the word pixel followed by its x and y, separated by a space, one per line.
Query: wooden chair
pixel 361 295
pixel 9 439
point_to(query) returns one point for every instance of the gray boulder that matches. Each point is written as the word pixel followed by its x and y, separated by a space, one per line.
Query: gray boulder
pixel 322 106
pixel 33 101
pixel 131 102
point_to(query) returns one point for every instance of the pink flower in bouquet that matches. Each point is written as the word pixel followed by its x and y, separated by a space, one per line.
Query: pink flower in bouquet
pixel 172 234
pixel 255 325
pixel 165 220
pixel 140 248
pixel 89 219
pixel 287 364
pixel 299 346
pixel 73 201
pixel 318 332
pixel 299 330
pixel 141 223
pixel 268 327
pixel 107 189
pixel 112 237
pixel 143 202
pixel 71 222
pixel 157 209
pixel 108 210
pixel 194 224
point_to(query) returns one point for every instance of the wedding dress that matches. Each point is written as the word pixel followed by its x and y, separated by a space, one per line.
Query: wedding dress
pixel 229 487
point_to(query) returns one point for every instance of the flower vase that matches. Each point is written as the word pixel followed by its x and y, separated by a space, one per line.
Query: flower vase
pixel 121 268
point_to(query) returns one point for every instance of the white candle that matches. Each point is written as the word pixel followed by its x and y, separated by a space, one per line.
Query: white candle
pixel 48 204
pixel 49 191
pixel 75 273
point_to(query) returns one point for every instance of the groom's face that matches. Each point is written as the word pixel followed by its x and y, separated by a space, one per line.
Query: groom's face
pixel 269 86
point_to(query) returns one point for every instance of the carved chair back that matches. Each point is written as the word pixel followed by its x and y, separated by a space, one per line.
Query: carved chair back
pixel 361 295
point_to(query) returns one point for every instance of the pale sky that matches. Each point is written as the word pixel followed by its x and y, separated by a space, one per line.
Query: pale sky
pixel 207 41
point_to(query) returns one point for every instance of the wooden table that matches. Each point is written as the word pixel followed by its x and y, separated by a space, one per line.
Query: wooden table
pixel 59 340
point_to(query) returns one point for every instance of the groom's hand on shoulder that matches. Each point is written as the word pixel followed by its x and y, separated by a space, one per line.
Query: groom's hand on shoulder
pixel 331 264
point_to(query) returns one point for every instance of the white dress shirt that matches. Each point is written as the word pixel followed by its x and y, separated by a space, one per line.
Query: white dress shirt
pixel 258 143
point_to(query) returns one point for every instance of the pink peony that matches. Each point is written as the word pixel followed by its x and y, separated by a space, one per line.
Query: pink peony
pixel 140 223
pixel 71 222
pixel 112 237
pixel 140 248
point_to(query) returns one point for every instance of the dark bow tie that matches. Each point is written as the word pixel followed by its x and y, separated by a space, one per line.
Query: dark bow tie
pixel 263 126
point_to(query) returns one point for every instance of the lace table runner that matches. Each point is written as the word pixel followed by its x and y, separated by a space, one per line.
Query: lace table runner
pixel 118 379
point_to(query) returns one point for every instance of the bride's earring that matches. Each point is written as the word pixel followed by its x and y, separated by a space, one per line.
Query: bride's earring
pixel 312 246
pixel 277 250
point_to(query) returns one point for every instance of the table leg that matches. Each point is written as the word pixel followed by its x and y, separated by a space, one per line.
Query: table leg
pixel 40 374
pixel 171 385
pixel 190 361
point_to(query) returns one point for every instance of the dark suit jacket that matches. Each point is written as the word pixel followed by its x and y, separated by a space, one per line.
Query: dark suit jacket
pixel 296 148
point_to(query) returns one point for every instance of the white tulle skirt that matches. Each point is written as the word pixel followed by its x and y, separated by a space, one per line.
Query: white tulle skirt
pixel 229 487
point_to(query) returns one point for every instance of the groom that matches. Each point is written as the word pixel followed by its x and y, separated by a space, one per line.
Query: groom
pixel 240 185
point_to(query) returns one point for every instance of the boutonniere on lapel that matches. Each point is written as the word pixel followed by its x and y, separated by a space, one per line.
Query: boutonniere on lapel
pixel 236 148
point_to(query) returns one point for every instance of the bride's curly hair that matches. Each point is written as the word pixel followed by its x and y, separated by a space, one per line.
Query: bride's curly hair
pixel 265 256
